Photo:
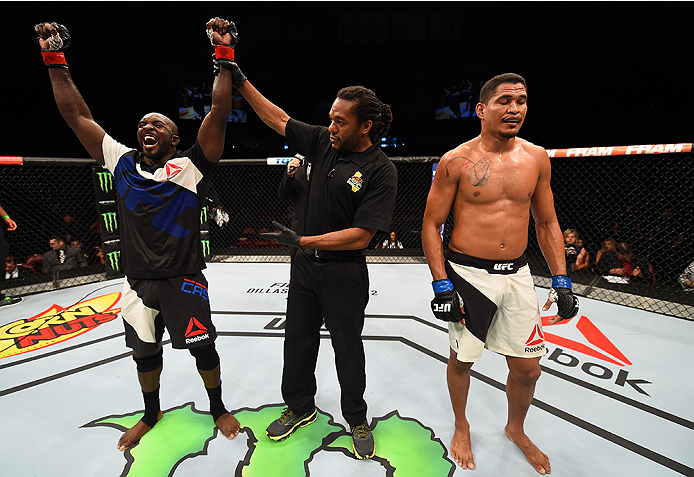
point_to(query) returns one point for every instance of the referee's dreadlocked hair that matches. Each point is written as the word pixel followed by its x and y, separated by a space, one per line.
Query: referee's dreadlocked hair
pixel 368 107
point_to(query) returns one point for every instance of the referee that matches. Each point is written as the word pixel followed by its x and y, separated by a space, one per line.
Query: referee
pixel 351 195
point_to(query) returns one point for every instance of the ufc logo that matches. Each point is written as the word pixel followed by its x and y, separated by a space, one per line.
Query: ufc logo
pixel 441 307
pixel 503 266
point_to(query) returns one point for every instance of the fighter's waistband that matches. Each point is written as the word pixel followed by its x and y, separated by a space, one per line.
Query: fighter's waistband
pixel 498 267
pixel 326 255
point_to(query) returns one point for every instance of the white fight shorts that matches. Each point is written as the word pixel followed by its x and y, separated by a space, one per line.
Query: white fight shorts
pixel 501 308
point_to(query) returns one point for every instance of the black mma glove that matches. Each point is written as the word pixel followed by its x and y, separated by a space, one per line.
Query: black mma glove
pixel 237 76
pixel 561 294
pixel 446 303
pixel 53 56
pixel 286 237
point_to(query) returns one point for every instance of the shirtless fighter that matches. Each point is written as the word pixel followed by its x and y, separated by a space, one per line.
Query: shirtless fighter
pixel 160 192
pixel 483 286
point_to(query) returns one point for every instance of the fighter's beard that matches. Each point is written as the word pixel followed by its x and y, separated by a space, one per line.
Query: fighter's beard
pixel 508 134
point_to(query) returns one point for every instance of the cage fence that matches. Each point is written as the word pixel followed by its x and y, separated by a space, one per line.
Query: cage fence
pixel 636 201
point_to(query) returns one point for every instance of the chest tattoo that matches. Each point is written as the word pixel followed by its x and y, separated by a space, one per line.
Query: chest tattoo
pixel 478 173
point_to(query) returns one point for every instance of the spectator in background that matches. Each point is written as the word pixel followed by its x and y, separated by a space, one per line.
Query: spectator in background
pixel 633 266
pixel 11 225
pixel 622 262
pixel 62 257
pixel 585 263
pixel 78 244
pixel 687 278
pixel 609 245
pixel 99 255
pixel 575 254
pixel 392 242
pixel 13 270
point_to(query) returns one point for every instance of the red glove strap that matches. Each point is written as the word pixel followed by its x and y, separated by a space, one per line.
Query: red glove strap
pixel 54 58
pixel 224 52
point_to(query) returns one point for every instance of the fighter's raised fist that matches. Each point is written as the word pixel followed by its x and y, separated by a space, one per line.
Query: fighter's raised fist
pixel 222 32
pixel 52 36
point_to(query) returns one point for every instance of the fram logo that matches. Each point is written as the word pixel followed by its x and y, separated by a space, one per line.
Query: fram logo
pixel 591 341
pixel 56 324
pixel 172 170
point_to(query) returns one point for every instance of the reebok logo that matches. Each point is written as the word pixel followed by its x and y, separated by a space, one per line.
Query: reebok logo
pixel 195 328
pixel 536 340
pixel 536 337
pixel 172 170
pixel 593 343
pixel 590 341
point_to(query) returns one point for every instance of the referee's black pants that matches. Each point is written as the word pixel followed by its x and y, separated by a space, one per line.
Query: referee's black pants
pixel 339 291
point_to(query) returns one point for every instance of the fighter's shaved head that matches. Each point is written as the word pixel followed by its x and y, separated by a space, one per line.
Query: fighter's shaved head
pixel 165 119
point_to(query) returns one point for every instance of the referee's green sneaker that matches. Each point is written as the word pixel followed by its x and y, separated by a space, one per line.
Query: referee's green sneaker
pixel 363 441
pixel 287 423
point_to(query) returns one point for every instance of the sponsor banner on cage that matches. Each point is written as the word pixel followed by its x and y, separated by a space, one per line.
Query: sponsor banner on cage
pixel 205 233
pixel 112 258
pixel 104 184
pixel 11 160
pixel 602 151
pixel 278 161
pixel 105 190
pixel 205 245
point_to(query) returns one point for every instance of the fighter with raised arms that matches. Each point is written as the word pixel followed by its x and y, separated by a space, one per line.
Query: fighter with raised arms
pixel 160 191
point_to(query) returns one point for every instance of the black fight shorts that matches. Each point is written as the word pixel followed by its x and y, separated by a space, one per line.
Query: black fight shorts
pixel 179 304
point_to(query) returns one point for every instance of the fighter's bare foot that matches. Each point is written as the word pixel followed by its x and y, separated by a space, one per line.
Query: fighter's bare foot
pixel 133 435
pixel 229 426
pixel 534 455
pixel 461 448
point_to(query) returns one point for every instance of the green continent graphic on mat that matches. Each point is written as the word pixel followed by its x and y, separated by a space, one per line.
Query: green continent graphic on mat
pixel 404 447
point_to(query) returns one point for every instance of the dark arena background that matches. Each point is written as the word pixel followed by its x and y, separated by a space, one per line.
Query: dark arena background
pixel 609 98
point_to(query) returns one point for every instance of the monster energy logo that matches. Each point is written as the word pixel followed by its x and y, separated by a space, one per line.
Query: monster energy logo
pixel 105 181
pixel 205 247
pixel 203 215
pixel 110 221
pixel 114 259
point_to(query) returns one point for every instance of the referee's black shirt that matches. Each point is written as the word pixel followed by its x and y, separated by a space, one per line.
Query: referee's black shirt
pixel 346 189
